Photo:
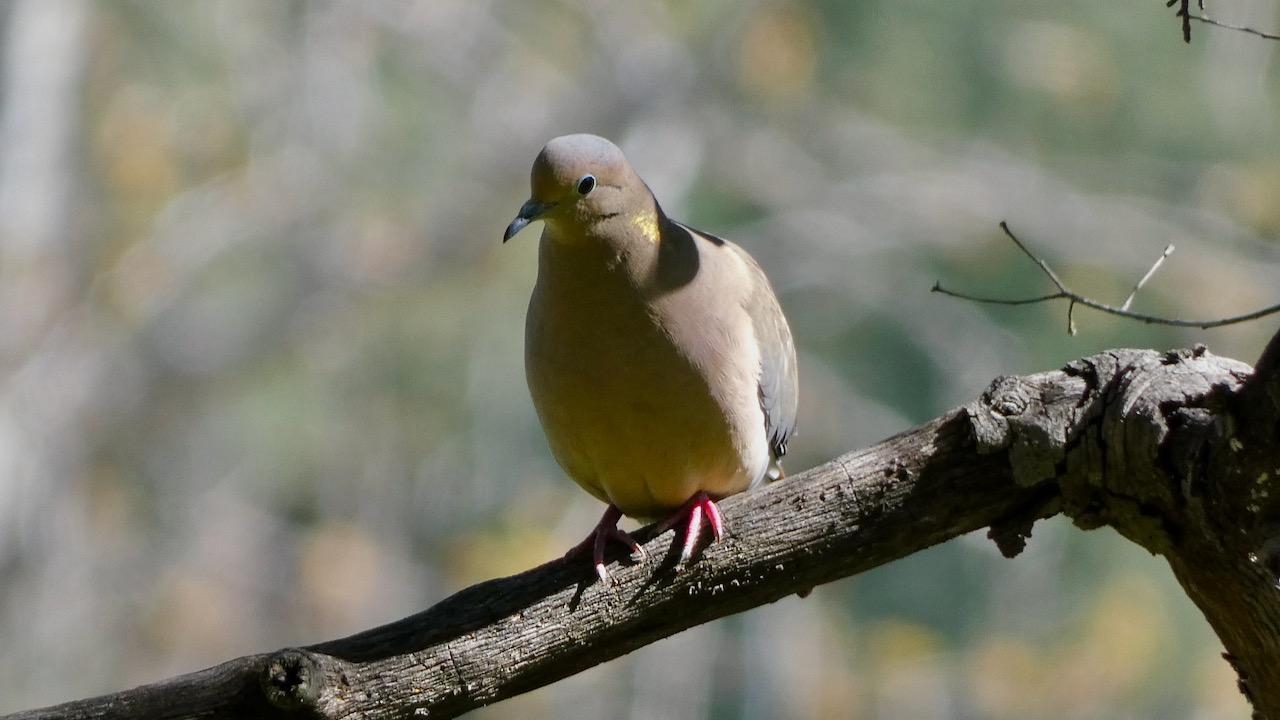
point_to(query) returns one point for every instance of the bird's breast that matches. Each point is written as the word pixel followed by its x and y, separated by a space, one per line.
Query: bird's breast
pixel 628 410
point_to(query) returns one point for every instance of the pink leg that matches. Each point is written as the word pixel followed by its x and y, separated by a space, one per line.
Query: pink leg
pixel 606 529
pixel 691 514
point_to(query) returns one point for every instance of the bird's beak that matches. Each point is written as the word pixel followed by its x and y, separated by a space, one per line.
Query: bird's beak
pixel 529 212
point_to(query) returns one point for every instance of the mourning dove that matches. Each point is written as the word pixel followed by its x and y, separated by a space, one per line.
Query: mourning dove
pixel 661 367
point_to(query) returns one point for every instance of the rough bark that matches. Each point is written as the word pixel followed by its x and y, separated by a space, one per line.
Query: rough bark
pixel 1176 450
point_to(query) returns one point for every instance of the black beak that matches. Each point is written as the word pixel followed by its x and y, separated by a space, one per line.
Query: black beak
pixel 529 212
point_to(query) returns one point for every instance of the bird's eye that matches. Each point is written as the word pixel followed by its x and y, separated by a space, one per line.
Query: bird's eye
pixel 586 184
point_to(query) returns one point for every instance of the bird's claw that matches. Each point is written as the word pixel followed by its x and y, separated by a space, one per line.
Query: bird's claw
pixel 604 531
pixel 696 512
pixel 696 509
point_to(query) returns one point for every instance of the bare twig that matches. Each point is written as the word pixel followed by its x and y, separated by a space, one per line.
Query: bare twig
pixel 1074 298
pixel 1184 12
pixel 1252 31
pixel 1168 250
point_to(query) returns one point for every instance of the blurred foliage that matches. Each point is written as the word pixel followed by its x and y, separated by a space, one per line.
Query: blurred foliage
pixel 260 346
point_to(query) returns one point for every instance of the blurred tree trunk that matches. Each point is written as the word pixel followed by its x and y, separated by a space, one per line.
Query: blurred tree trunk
pixel 45 362
pixel 1177 451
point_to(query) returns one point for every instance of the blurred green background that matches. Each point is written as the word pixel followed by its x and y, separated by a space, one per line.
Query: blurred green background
pixel 261 349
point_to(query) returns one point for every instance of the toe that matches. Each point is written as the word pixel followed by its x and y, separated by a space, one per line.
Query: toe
pixel 693 530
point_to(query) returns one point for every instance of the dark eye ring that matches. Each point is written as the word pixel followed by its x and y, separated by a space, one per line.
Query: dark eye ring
pixel 586 184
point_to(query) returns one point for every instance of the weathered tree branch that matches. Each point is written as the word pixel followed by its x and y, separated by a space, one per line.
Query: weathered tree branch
pixel 1177 451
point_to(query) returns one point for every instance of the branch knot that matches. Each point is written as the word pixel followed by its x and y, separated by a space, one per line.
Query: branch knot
pixel 291 679
pixel 1024 416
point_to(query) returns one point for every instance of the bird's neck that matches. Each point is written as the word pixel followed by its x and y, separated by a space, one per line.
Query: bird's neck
pixel 621 248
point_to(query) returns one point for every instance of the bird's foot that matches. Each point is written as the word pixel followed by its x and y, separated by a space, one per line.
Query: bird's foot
pixel 605 530
pixel 691 514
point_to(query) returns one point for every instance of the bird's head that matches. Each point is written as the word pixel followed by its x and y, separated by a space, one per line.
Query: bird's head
pixel 578 181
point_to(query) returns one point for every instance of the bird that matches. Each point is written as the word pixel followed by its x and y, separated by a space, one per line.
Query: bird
pixel 658 359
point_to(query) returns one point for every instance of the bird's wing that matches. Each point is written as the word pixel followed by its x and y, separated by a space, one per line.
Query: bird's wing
pixel 778 385
pixel 779 389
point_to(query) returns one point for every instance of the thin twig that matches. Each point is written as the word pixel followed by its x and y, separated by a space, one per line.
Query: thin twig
pixel 1252 31
pixel 1168 250
pixel 1074 298
pixel 1184 12
pixel 1043 265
